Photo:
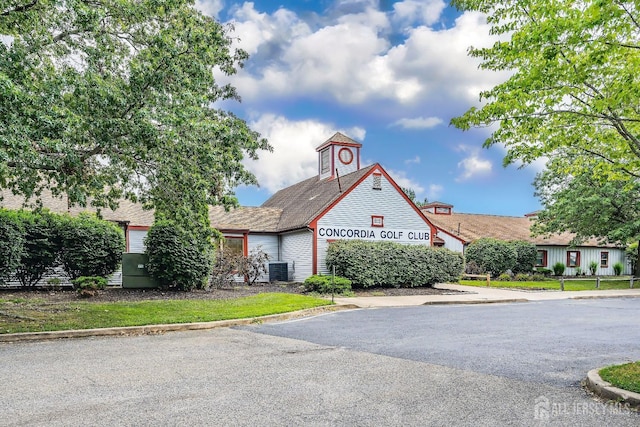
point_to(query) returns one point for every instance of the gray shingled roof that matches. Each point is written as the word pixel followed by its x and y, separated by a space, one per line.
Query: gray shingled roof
pixel 470 227
pixel 256 219
pixel 302 202
pixel 338 137
pixel 127 211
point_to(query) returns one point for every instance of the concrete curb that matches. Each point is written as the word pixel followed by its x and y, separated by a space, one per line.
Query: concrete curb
pixel 604 296
pixel 159 329
pixel 606 391
pixel 480 301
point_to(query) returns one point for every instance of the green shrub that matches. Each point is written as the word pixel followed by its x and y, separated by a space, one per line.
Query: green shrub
pixel 369 264
pixel 504 277
pixel 526 254
pixel 179 259
pixel 42 247
pixel 91 246
pixel 323 284
pixel 593 267
pixel 578 271
pixel 87 286
pixel 558 269
pixel 11 243
pixel 471 267
pixel 543 271
pixel 492 255
pixel 617 268
pixel 537 277
pixel 54 283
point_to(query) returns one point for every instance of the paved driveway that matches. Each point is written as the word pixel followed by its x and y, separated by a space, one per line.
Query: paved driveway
pixel 517 364
pixel 551 342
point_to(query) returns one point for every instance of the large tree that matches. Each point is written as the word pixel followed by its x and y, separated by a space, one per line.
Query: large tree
pixel 572 97
pixel 574 81
pixel 103 99
pixel 587 205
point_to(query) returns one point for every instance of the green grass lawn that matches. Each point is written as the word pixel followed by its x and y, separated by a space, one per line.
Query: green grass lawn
pixel 569 285
pixel 38 315
pixel 625 376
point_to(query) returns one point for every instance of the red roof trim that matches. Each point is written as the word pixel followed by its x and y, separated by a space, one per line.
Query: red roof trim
pixel 138 227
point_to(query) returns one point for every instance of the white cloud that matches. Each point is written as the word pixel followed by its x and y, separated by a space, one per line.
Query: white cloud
pixel 268 33
pixel 418 123
pixel 422 12
pixel 403 181
pixel 350 58
pixel 439 58
pixel 415 160
pixel 473 165
pixel 294 156
pixel 340 59
pixel 209 7
pixel 434 192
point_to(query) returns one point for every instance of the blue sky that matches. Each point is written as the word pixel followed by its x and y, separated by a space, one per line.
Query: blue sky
pixel 390 75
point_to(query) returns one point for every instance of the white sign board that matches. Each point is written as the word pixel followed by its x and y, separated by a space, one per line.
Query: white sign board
pixel 393 235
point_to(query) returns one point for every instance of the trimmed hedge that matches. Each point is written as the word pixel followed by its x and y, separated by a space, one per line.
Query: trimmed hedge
pixel 492 255
pixel 178 259
pixel 322 284
pixel 33 244
pixel 526 254
pixel 91 246
pixel 369 264
pixel 11 243
pixel 42 247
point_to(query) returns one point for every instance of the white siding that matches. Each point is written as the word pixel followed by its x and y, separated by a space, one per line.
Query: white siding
pixel 297 250
pixel 335 163
pixel 136 241
pixel 451 242
pixel 116 278
pixel 557 254
pixel 267 244
pixel 402 224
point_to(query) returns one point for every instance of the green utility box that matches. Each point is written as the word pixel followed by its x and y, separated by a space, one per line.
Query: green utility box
pixel 134 272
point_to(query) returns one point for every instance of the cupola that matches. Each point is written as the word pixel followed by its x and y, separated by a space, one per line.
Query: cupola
pixel 338 156
pixel 438 208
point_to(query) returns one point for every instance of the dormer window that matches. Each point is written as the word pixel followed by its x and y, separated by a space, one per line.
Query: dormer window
pixel 325 161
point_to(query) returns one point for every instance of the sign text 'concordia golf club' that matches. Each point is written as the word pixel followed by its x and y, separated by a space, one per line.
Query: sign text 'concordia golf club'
pixel 369 234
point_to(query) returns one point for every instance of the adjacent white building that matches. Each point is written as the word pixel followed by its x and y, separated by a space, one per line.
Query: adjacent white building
pixel 459 229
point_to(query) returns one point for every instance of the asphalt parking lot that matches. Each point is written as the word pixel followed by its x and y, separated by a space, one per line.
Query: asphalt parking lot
pixel 498 364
